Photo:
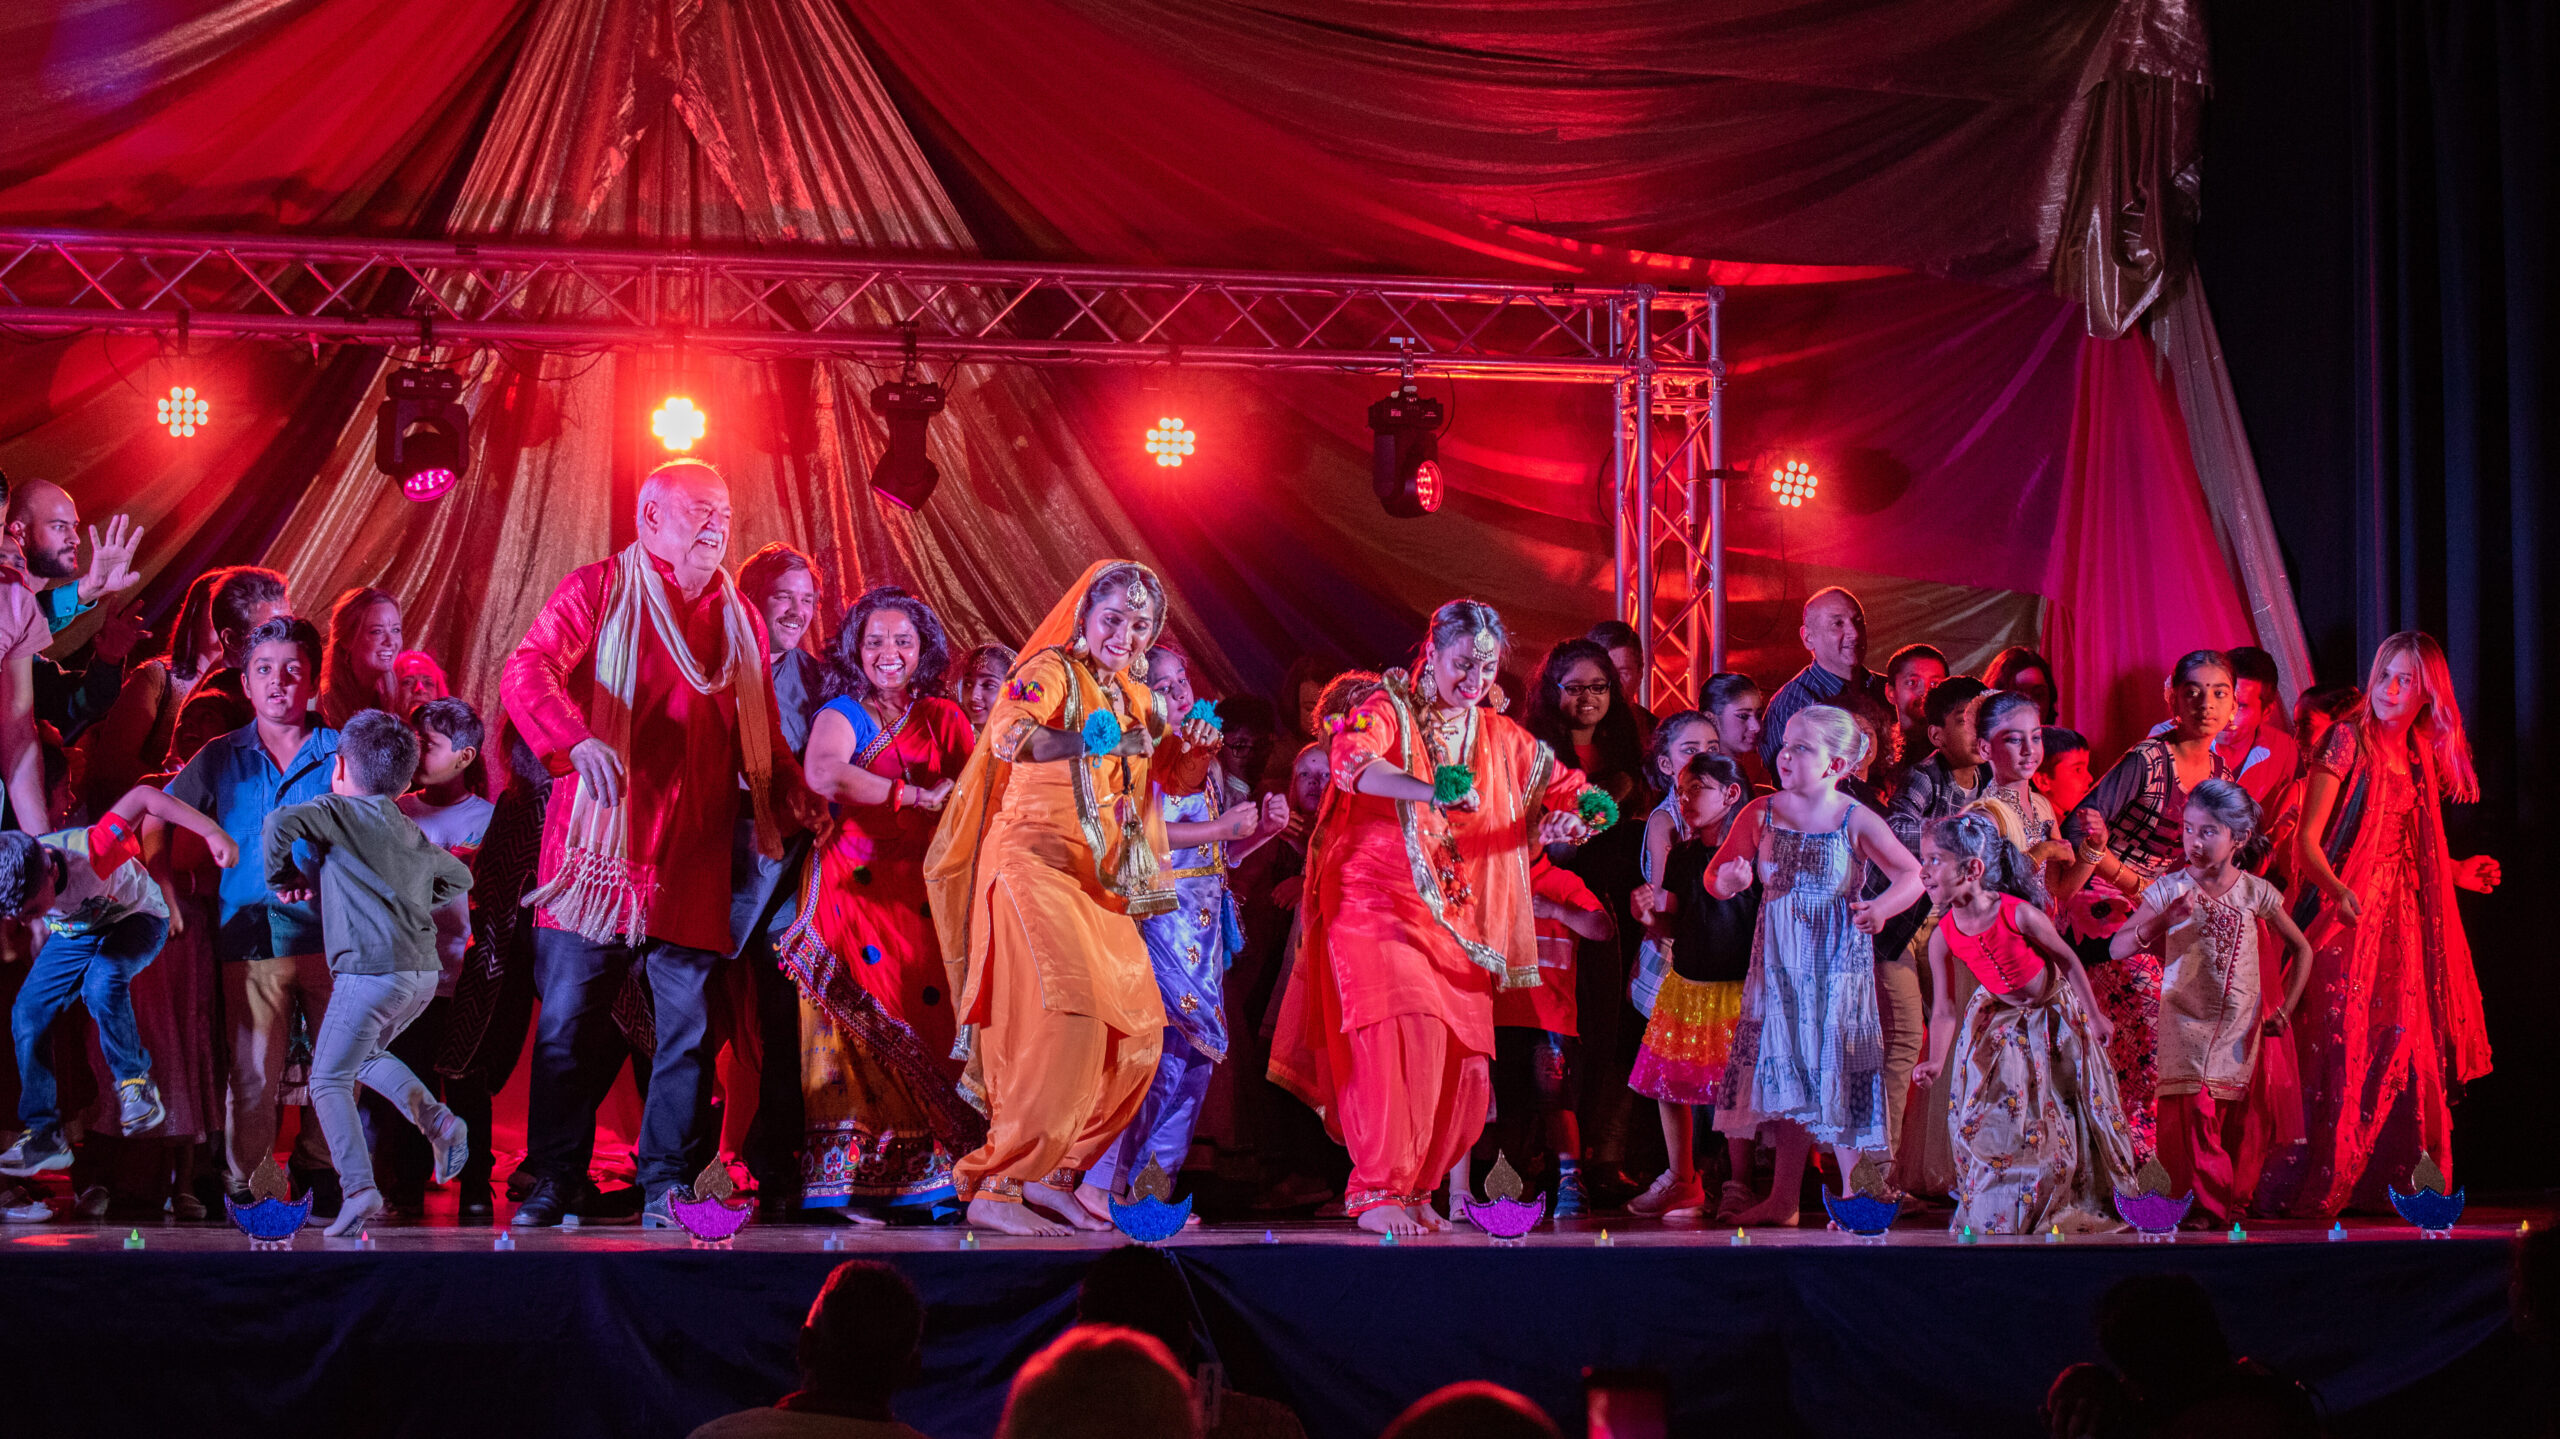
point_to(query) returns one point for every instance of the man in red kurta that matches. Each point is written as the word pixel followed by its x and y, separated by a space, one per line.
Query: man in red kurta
pixel 649 745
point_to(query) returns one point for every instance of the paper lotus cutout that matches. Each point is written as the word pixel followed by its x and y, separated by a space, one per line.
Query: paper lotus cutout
pixel 704 1210
pixel 2148 1206
pixel 1151 1217
pixel 1502 1213
pixel 272 1215
pixel 1871 1207
pixel 2428 1207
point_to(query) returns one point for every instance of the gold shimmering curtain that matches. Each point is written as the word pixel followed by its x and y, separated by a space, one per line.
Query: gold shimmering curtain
pixel 750 122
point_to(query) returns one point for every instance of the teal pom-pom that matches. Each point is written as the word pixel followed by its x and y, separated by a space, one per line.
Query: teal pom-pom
pixel 1598 810
pixel 1101 732
pixel 1452 783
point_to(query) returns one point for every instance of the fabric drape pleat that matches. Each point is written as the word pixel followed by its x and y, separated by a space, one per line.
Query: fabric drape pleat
pixel 756 123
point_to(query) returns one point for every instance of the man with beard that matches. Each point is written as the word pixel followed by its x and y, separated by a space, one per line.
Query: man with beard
pixel 645 687
pixel 40 541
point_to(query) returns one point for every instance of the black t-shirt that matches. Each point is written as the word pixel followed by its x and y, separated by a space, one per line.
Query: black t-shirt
pixel 1711 937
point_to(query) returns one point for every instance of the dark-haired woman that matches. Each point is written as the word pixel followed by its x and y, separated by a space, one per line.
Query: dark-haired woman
pixel 879 1088
pixel 2127 833
pixel 1419 887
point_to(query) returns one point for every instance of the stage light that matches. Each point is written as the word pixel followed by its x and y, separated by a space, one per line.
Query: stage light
pixel 183 410
pixel 422 434
pixel 1793 482
pixel 906 475
pixel 1404 458
pixel 677 424
pixel 1169 442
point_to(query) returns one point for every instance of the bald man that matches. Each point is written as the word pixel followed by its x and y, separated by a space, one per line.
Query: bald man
pixel 645 686
pixel 43 525
pixel 1835 636
pixel 40 544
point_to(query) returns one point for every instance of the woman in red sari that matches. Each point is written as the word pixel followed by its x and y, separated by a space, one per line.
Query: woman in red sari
pixel 880 1088
pixel 2392 1027
pixel 1419 867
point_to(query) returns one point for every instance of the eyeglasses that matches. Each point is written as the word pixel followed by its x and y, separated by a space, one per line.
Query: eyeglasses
pixel 1598 689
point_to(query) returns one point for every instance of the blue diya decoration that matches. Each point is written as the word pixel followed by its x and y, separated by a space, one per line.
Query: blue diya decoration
pixel 2148 1206
pixel 1151 1217
pixel 2428 1206
pixel 272 1215
pixel 703 1208
pixel 1871 1206
pixel 1502 1213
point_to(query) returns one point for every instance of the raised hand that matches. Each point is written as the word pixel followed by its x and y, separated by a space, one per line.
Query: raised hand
pixel 2093 839
pixel 1276 817
pixel 111 570
pixel 1239 822
pixel 1135 742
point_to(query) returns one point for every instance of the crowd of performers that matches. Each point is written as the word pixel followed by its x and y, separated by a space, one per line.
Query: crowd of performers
pixel 911 928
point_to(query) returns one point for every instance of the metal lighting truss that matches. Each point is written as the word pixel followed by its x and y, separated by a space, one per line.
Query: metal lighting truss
pixel 1667 467
pixel 1660 344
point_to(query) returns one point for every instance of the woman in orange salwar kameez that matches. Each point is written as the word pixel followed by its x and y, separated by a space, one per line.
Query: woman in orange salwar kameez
pixel 1419 872
pixel 1049 849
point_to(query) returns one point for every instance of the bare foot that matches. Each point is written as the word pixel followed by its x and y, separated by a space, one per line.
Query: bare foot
pixel 353 1212
pixel 1096 1202
pixel 1769 1213
pixel 1062 1206
pixel 1007 1218
pixel 1390 1219
pixel 1429 1218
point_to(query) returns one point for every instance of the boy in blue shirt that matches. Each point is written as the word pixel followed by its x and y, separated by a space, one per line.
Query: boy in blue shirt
pixel 269 951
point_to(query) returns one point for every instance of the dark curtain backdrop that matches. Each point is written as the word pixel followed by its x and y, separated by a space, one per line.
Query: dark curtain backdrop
pixel 2378 239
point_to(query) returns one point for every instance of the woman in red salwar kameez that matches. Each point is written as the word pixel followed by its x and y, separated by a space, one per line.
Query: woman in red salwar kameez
pixel 1419 872
pixel 2392 1027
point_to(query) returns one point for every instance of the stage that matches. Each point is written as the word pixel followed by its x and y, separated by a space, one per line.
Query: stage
pixel 620 1332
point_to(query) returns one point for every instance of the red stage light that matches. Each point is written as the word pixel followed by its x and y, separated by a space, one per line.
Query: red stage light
pixel 1428 488
pixel 677 424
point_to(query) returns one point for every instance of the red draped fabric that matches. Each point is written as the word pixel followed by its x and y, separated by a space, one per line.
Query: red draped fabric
pixel 1886 188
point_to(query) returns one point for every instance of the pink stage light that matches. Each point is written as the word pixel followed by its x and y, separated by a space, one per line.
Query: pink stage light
pixel 1428 487
pixel 678 425
pixel 1170 442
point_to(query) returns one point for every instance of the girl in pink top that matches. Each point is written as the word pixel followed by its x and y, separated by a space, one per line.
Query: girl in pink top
pixel 2039 1137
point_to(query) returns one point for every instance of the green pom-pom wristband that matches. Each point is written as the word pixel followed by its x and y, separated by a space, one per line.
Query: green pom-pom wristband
pixel 1101 733
pixel 1452 783
pixel 1597 809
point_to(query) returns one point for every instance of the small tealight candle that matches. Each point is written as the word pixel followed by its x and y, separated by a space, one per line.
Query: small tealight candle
pixel 1740 1240
pixel 2237 1235
pixel 2337 1232
pixel 133 1240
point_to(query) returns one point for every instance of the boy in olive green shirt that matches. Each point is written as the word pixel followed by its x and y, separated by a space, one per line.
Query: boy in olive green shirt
pixel 380 884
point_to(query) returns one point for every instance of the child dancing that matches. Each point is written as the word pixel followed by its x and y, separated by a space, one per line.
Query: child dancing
pixel 380 883
pixel 1690 1039
pixel 2039 1137
pixel 1808 1050
pixel 2203 921
pixel 1675 740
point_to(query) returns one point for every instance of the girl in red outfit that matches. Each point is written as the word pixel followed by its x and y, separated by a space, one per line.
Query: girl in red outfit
pixel 2039 1137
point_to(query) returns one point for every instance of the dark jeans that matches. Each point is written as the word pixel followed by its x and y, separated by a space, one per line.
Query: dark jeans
pixel 97 969
pixel 577 1050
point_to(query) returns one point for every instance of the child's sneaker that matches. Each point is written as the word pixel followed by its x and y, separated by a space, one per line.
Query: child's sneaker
pixel 1736 1198
pixel 35 1153
pixel 1671 1191
pixel 138 1106
pixel 93 1202
pixel 17 1206
pixel 450 1138
pixel 1570 1201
